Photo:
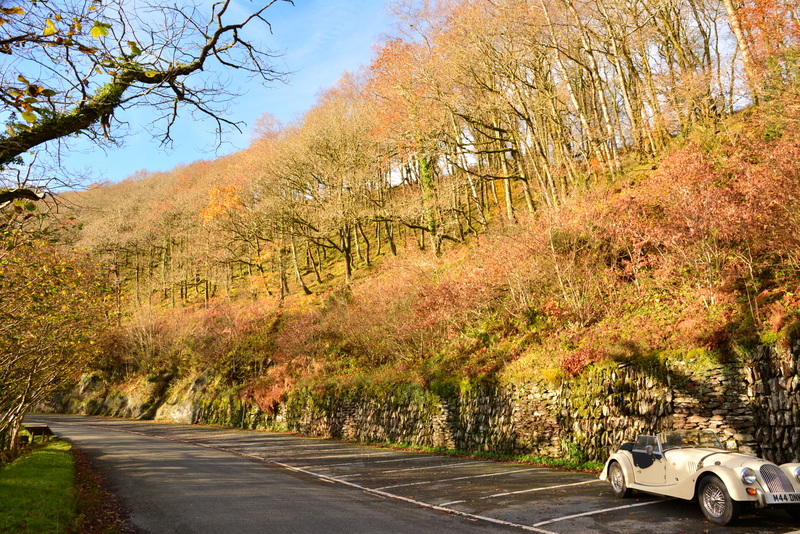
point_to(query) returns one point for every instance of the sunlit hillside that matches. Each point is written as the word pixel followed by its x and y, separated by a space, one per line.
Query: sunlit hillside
pixel 519 195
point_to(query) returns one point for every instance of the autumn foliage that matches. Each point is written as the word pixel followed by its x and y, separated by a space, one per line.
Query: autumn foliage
pixel 54 309
pixel 512 191
pixel 773 27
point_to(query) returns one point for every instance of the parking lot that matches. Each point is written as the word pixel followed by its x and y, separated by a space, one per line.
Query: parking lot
pixel 519 497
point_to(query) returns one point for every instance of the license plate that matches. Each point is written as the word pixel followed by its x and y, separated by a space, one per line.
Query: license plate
pixel 783 498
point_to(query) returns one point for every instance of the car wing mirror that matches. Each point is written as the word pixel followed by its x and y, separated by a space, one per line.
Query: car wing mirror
pixel 649 450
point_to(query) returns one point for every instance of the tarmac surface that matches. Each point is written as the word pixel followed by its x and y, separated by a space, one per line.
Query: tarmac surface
pixel 200 479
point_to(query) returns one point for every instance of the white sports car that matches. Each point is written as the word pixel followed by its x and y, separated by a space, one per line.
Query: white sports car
pixel 689 464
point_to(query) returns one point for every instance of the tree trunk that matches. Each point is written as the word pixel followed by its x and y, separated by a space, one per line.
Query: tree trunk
pixel 297 269
pixel 750 69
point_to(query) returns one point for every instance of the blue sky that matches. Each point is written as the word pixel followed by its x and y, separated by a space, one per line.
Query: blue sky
pixel 320 39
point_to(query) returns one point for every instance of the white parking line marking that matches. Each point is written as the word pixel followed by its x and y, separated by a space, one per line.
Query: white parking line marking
pixel 318 448
pixel 406 459
pixel 439 466
pixel 456 478
pixel 380 461
pixel 344 464
pixel 595 512
pixel 329 457
pixel 543 488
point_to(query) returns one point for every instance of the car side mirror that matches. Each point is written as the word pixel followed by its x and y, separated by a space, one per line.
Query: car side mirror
pixel 649 450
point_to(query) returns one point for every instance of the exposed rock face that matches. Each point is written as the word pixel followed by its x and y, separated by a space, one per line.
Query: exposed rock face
pixel 755 404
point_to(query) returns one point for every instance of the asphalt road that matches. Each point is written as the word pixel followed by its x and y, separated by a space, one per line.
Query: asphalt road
pixel 196 479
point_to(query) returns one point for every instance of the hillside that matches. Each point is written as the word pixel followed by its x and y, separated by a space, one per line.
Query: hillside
pixel 693 257
pixel 510 194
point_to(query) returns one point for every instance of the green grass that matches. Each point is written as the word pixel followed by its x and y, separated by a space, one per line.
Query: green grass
pixel 37 491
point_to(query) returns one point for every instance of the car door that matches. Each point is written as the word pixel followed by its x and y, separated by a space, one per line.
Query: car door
pixel 650 468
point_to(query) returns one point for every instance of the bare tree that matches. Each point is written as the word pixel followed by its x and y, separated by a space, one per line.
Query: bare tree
pixel 69 66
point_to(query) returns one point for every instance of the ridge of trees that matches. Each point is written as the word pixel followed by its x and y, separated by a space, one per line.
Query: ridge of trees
pixel 494 110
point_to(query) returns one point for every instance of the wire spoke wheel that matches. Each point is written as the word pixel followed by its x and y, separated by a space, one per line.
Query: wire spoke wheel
pixel 716 502
pixel 617 479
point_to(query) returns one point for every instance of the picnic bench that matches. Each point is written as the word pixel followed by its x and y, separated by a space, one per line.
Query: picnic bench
pixel 38 429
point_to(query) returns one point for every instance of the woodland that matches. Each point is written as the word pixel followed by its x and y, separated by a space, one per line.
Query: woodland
pixel 512 190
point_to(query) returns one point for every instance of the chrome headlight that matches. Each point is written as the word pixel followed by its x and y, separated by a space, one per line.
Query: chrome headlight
pixel 797 473
pixel 749 476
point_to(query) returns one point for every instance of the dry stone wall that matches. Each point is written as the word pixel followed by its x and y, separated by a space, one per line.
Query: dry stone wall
pixel 754 404
pixel 774 387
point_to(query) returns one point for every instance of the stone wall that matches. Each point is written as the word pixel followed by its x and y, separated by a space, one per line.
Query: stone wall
pixel 413 416
pixel 773 386
pixel 754 404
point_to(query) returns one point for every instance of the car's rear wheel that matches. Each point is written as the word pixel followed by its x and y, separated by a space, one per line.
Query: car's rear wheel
pixel 617 479
pixel 716 502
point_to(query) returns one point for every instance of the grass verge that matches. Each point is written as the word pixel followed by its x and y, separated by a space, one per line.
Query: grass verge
pixel 54 488
pixel 37 491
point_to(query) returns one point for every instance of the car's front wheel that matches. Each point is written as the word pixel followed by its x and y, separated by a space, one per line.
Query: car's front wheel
pixel 716 502
pixel 617 479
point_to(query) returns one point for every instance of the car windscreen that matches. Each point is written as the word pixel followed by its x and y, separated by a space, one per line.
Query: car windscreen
pixel 690 438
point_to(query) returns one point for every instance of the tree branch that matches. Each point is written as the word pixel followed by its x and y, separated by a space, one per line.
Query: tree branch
pixel 128 71
pixel 10 195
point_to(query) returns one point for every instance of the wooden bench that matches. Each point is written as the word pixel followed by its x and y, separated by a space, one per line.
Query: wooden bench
pixel 38 429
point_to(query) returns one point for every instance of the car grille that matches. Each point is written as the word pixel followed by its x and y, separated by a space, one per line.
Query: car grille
pixel 776 480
